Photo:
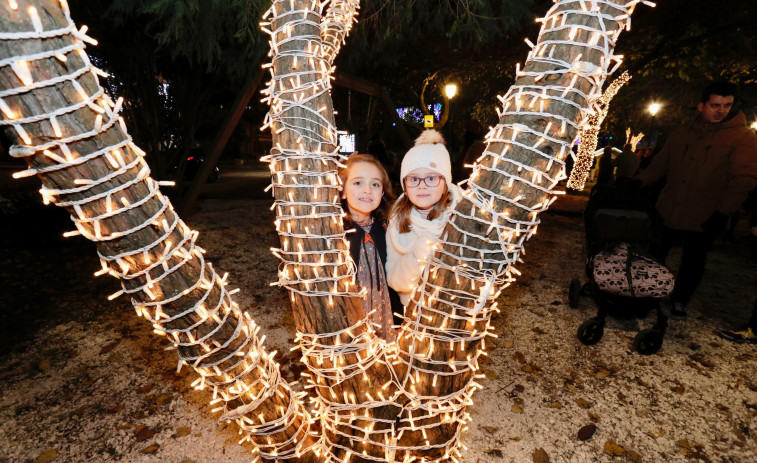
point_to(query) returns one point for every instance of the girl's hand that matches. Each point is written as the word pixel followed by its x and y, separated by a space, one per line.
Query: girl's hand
pixel 423 247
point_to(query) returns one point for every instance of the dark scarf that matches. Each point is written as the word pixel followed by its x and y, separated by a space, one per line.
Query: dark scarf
pixel 378 234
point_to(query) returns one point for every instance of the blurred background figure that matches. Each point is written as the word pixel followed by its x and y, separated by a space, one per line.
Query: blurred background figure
pixel 626 164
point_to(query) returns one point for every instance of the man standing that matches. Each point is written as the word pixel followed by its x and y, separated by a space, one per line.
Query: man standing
pixel 710 166
pixel 626 164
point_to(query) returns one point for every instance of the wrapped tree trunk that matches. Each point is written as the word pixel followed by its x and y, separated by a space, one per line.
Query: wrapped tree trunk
pixel 447 321
pixel 589 134
pixel 374 401
pixel 72 137
pixel 349 368
pixel 511 184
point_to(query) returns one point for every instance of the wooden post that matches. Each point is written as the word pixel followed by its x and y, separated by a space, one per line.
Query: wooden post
pixel 220 141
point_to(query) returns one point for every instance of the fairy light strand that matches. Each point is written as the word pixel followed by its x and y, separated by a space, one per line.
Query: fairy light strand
pixel 482 264
pixel 589 133
pixel 480 271
pixel 440 320
pixel 234 366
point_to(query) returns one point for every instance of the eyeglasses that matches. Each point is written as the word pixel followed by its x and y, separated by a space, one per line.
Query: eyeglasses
pixel 430 181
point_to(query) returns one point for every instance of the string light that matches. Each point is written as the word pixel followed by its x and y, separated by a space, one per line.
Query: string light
pixel 114 202
pixel 405 401
pixel 632 139
pixel 445 328
pixel 589 133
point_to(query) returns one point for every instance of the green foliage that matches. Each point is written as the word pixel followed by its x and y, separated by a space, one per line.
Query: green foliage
pixel 387 28
pixel 674 50
pixel 475 43
pixel 176 63
pixel 210 33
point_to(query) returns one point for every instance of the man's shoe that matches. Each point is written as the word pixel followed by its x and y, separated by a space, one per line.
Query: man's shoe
pixel 678 309
pixel 745 335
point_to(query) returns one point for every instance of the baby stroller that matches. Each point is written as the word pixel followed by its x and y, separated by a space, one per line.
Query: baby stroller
pixel 624 280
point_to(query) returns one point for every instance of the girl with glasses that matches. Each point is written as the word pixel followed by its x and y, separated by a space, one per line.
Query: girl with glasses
pixel 366 197
pixel 417 219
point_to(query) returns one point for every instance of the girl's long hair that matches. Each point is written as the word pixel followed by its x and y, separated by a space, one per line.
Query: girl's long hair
pixel 402 208
pixel 381 214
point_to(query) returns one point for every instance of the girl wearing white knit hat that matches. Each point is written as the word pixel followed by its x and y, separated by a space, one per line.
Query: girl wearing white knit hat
pixel 418 217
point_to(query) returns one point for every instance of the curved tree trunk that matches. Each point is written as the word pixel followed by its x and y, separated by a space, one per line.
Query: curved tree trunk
pixel 446 325
pixel 375 402
pixel 510 185
pixel 72 137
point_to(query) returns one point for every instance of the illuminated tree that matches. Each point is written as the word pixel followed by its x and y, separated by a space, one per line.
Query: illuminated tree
pixel 589 133
pixel 372 401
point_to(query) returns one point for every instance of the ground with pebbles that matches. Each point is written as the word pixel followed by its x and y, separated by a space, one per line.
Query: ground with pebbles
pixel 83 379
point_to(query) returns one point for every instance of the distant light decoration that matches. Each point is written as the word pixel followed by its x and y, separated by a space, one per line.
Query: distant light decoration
pixel 632 139
pixel 413 114
pixel 589 133
pixel 445 329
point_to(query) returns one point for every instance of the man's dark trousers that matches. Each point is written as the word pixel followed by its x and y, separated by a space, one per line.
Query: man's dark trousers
pixel 695 246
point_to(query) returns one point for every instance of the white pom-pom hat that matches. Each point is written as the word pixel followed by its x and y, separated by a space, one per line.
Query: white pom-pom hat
pixel 430 153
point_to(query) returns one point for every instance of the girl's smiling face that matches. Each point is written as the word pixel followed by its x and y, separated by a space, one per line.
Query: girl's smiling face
pixel 362 190
pixel 422 195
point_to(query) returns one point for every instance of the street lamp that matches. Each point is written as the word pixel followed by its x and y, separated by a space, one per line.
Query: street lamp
pixel 754 125
pixel 450 90
pixel 653 109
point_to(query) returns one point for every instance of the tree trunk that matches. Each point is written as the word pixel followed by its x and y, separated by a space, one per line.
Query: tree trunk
pixel 219 142
pixel 512 183
pixel 71 135
pixel 483 240
pixel 375 402
pixel 348 367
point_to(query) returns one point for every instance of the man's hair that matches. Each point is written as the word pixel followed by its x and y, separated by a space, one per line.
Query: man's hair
pixel 722 88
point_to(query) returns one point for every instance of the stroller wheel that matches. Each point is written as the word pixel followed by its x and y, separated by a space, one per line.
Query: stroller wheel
pixel 574 293
pixel 591 331
pixel 586 289
pixel 648 341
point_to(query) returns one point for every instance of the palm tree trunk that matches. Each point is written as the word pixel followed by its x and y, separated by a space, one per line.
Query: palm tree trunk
pixel 448 319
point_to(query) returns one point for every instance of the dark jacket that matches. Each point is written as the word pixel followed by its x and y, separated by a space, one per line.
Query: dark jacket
pixel 378 234
pixel 709 168
pixel 606 166
pixel 626 164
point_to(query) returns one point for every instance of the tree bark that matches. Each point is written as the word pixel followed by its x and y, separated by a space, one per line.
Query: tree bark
pixel 347 365
pixel 512 183
pixel 375 402
pixel 70 134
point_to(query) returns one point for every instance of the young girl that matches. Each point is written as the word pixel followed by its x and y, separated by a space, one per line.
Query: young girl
pixel 418 217
pixel 366 196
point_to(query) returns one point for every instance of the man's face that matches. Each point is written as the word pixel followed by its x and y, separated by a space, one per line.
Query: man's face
pixel 716 108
